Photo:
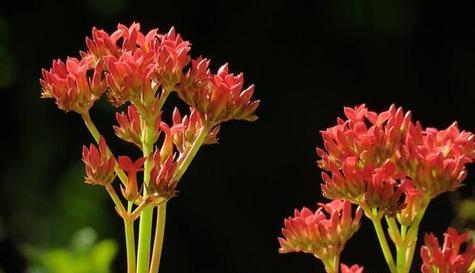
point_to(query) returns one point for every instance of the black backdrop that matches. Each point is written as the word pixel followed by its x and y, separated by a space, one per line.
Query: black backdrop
pixel 307 59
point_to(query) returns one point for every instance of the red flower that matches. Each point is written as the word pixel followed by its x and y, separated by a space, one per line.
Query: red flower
pixel 129 79
pixel 130 127
pixel 436 159
pixel 353 269
pixel 103 45
pixel 171 56
pixel 452 257
pixel 217 97
pixel 322 233
pixel 370 137
pixel 185 130
pixel 131 191
pixel 99 164
pixel 413 203
pixel 69 84
pixel 162 184
pixel 368 187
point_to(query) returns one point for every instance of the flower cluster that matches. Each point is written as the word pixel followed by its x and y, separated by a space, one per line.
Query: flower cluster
pixel 142 70
pixel 218 97
pixel 455 256
pixel 69 84
pixel 322 233
pixel 383 161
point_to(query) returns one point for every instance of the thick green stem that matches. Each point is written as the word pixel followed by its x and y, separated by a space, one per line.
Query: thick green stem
pixel 96 135
pixel 399 241
pixel 159 234
pixel 411 238
pixel 146 218
pixel 130 244
pixel 376 219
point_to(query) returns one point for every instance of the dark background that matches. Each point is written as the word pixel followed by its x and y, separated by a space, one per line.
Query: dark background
pixel 308 59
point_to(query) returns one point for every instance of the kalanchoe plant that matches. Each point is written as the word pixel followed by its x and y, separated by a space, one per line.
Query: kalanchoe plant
pixel 390 167
pixel 141 70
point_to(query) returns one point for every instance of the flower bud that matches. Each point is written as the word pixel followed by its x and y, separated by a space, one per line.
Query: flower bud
pixel 99 164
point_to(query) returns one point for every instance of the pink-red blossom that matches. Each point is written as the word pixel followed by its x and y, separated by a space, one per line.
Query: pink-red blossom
pixel 456 255
pixel 162 183
pixel 70 85
pixel 131 191
pixel 218 97
pixel 322 233
pixel 99 164
pixel 185 130
pixel 351 269
pixel 436 159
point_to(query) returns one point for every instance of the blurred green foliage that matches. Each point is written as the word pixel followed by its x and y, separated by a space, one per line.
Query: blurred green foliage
pixel 84 255
pixel 466 209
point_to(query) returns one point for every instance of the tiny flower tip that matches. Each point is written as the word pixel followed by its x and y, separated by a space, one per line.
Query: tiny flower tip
pixel 223 70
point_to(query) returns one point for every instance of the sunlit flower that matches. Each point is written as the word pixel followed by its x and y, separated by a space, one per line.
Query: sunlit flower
pixel 162 183
pixel 369 187
pixel 371 138
pixel 130 79
pixel 322 233
pixel 69 84
pixel 217 97
pixel 351 269
pixel 185 130
pixel 99 164
pixel 455 256
pixel 436 159
pixel 102 44
pixel 171 56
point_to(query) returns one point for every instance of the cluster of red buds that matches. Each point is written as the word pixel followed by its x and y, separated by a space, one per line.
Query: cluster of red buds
pixel 456 255
pixel 380 160
pixel 141 70
pixel 322 233
pixel 99 164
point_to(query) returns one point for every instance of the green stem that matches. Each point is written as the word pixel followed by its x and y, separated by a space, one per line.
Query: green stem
pixel 130 244
pixel 116 199
pixel 186 161
pixel 159 234
pixel 331 266
pixel 96 135
pixel 398 240
pixel 376 219
pixel 411 238
pixel 146 218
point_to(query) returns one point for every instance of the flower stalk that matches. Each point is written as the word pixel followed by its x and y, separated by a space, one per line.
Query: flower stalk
pixel 146 217
pixel 96 135
pixel 159 234
pixel 388 257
